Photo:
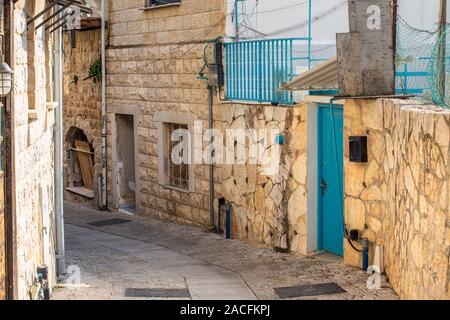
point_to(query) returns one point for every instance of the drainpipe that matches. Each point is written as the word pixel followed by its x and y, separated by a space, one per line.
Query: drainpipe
pixel 10 167
pixel 59 152
pixel 103 202
pixel 211 166
pixel 341 193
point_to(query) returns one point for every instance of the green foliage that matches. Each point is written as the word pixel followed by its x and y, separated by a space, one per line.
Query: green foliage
pixel 95 71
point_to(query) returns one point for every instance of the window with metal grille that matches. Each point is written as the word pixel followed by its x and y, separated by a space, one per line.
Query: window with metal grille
pixel 154 3
pixel 177 174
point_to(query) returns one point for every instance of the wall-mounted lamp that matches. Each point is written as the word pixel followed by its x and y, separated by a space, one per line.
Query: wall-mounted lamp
pixel 6 76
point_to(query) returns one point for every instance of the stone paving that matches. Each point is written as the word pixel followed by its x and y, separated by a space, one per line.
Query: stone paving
pixel 148 253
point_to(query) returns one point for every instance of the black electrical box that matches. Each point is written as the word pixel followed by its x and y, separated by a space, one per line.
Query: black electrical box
pixel 214 57
pixel 358 149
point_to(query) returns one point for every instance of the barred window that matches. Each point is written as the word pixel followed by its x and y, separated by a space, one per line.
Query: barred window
pixel 177 174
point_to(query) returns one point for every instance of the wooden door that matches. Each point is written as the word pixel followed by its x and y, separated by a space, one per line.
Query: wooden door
pixel 86 163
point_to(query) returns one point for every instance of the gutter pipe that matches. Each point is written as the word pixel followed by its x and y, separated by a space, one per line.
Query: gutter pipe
pixel 59 152
pixel 211 166
pixel 103 196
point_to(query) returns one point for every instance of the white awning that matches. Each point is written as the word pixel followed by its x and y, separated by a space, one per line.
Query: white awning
pixel 322 77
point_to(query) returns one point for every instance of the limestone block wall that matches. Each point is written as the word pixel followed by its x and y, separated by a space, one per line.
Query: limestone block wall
pixel 33 157
pixel 402 194
pixel 270 209
pixel 153 59
pixel 2 242
pixel 82 103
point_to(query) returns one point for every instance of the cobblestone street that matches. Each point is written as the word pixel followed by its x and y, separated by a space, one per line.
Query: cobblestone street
pixel 149 254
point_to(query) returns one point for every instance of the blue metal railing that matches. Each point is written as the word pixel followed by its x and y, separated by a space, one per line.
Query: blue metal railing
pixel 255 70
pixel 411 78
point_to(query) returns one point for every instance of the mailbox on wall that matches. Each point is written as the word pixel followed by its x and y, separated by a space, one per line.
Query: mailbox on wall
pixel 358 149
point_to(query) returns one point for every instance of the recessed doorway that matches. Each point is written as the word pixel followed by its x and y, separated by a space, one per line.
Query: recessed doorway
pixel 125 164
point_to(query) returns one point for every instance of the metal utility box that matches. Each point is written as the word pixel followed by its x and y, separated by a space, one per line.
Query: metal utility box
pixel 214 61
pixel 215 75
pixel 358 149
pixel 214 53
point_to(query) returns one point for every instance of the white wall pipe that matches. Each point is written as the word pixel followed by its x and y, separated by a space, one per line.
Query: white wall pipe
pixel 59 152
pixel 103 197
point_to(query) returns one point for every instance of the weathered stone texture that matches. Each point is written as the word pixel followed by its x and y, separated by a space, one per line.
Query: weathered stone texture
pixel 33 156
pixel 153 60
pixel 82 104
pixel 269 209
pixel 2 240
pixel 402 194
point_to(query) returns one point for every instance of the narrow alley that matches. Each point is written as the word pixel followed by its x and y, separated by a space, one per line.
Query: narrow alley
pixel 133 257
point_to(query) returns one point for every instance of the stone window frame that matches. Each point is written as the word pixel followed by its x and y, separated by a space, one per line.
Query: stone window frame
pixel 161 119
pixel 150 5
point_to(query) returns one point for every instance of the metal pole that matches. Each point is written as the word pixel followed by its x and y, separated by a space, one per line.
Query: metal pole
pixel 309 33
pixel 103 203
pixel 236 18
pixel 10 166
pixel 441 51
pixel 211 166
pixel 59 152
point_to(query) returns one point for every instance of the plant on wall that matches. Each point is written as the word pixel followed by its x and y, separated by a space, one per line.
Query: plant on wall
pixel 95 71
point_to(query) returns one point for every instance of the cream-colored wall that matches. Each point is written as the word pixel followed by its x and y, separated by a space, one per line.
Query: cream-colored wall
pixel 153 60
pixel 33 158
pixel 269 209
pixel 2 240
pixel 82 104
pixel 402 194
pixel 152 65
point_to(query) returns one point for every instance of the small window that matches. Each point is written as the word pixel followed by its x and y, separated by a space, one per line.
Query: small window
pixel 159 3
pixel 177 174
pixel 175 150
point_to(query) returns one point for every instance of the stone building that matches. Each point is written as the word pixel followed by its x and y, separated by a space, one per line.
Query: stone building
pixel 82 116
pixel 154 57
pixel 82 109
pixel 29 137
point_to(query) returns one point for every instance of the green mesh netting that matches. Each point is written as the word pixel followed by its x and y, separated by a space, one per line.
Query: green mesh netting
pixel 415 54
pixel 422 63
pixel 438 70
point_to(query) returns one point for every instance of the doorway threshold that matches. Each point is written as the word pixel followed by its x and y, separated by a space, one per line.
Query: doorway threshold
pixel 128 209
pixel 81 191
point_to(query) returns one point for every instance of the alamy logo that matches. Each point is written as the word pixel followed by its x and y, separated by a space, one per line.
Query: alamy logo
pixel 73 275
pixel 374 17
pixel 374 281
pixel 231 146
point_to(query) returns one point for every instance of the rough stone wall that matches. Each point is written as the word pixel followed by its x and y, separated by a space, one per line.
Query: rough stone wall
pixel 152 63
pixel 82 103
pixel 33 157
pixel 269 209
pixel 402 194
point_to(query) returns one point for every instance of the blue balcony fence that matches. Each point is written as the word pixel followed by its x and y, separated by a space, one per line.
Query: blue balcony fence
pixel 413 78
pixel 255 70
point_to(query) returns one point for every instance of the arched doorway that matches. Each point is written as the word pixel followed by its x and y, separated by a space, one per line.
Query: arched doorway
pixel 80 164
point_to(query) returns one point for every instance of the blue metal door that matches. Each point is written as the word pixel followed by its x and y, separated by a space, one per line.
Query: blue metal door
pixel 330 182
